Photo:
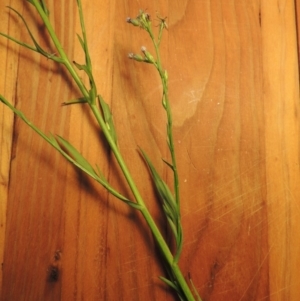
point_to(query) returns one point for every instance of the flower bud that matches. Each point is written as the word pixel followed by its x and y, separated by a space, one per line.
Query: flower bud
pixel 166 75
pixel 145 17
pixel 148 57
pixel 136 57
pixel 134 22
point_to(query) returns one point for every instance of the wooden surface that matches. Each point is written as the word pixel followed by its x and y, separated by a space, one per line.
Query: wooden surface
pixel 234 88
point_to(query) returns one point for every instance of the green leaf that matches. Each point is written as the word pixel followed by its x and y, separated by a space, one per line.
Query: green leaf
pixel 44 7
pixel 195 290
pixel 81 42
pixel 160 185
pixel 74 153
pixel 37 47
pixel 75 101
pixel 73 156
pixel 103 181
pixel 173 286
pixel 169 204
pixel 108 118
pixel 81 67
pixel 169 164
pixel 18 42
pixel 88 71
pixel 169 283
pixel 84 45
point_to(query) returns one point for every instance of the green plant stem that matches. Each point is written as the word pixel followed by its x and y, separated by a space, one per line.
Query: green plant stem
pixel 59 48
pixel 170 123
pixel 144 211
pixel 166 105
pixel 171 261
pixel 165 251
pixel 159 238
pixel 163 246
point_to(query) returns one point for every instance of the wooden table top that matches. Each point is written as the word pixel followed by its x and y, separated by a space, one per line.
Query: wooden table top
pixel 234 90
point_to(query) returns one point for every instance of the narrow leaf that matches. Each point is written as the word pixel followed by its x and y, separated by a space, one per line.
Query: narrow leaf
pixel 173 286
pixel 168 203
pixel 18 42
pixel 107 115
pixel 81 42
pixel 80 67
pixel 75 101
pixel 44 7
pixel 103 181
pixel 88 71
pixel 75 154
pixel 160 185
pixel 37 47
pixel 169 283
pixel 195 290
pixel 169 164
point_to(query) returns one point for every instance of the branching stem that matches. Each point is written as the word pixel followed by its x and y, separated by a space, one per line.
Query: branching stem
pixel 102 114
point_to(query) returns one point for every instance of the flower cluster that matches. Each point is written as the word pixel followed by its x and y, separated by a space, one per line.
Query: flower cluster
pixel 142 20
pixel 146 58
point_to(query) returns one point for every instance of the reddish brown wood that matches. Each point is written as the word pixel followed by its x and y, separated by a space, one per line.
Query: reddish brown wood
pixel 234 88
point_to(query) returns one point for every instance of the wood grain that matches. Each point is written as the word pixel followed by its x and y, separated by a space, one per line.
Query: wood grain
pixel 234 86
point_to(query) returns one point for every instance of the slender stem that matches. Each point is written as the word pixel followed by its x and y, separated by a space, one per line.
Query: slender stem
pixel 167 106
pixel 93 91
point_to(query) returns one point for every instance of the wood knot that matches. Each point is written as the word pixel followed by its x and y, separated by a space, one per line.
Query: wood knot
pixel 53 273
pixel 53 270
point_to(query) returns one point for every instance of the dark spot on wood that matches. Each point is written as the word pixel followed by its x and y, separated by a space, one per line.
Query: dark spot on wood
pixel 53 273
pixel 57 255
